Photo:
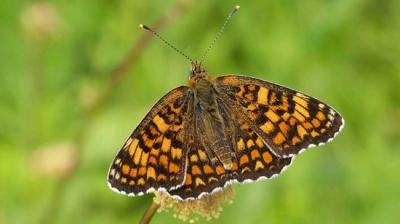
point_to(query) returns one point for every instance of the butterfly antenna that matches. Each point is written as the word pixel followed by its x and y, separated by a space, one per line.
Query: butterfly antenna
pixel 155 33
pixel 219 33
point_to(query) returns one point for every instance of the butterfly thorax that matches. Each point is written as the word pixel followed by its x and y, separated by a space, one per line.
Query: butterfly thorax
pixel 210 126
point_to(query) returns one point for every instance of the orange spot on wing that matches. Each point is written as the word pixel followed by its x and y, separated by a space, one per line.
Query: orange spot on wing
pixel 234 166
pixel 259 165
pixel 143 160
pixel 153 131
pixel 199 181
pixel 243 159
pixel 142 171
pixel 279 138
pixel 188 179
pixel 286 116
pixel 151 173
pixel 240 144
pixel 202 155
pixel 307 125
pixel 244 126
pixel 250 143
pixel 194 158
pixel 259 142
pixel 295 140
pixel 321 116
pixel 161 177
pixel 316 123
pixel 298 116
pixel 132 147
pixel 152 160
pixel 292 121
pixel 284 127
pixel 220 170
pixel 314 134
pixel 301 110
pixel 173 168
pixel 164 161
pixel 207 169
pixel 125 169
pixel 149 143
pixel 300 101
pixel 251 107
pixel 262 96
pixel 141 181
pixel 272 97
pixel 255 154
pixel 267 157
pixel 137 155
pixel 176 153
pixel 272 116
pixel 160 123
pixel 301 131
pixel 176 128
pixel 166 144
pixel 268 127
pixel 196 170
pixel 133 172
pixel 123 180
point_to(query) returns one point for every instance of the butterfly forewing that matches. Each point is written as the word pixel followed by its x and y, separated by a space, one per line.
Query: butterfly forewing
pixel 287 121
pixel 154 155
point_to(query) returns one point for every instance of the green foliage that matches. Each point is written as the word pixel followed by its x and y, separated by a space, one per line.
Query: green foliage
pixel 53 70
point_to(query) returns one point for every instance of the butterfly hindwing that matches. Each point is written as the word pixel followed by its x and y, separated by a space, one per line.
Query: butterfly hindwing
pixel 253 161
pixel 154 155
pixel 202 176
pixel 287 121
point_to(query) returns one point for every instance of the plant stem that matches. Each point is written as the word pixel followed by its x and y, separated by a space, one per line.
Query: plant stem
pixel 148 215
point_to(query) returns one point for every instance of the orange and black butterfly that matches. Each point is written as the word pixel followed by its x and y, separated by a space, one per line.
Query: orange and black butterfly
pixel 213 132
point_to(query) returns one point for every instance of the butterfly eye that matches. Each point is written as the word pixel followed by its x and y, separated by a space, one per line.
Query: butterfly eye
pixel 191 74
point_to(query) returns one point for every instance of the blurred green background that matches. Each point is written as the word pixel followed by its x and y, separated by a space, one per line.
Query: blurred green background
pixel 77 76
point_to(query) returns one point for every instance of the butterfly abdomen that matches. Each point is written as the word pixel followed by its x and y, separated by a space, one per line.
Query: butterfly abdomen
pixel 210 125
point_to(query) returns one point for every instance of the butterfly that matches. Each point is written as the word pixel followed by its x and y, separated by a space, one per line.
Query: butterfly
pixel 213 132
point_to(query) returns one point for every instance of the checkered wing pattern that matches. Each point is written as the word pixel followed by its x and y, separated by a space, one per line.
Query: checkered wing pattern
pixel 287 121
pixel 254 161
pixel 154 155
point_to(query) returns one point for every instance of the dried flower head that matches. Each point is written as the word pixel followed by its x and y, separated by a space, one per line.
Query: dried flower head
pixel 41 20
pixel 208 206
pixel 89 95
pixel 56 160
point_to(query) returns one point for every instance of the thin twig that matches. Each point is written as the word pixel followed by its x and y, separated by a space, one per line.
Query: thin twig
pixel 148 215
pixel 120 71
pixel 116 77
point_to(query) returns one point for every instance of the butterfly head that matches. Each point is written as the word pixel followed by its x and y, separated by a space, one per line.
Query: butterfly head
pixel 197 70
pixel 198 75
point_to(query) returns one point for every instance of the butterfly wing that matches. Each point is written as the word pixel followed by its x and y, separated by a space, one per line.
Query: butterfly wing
pixel 287 121
pixel 253 161
pixel 154 155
